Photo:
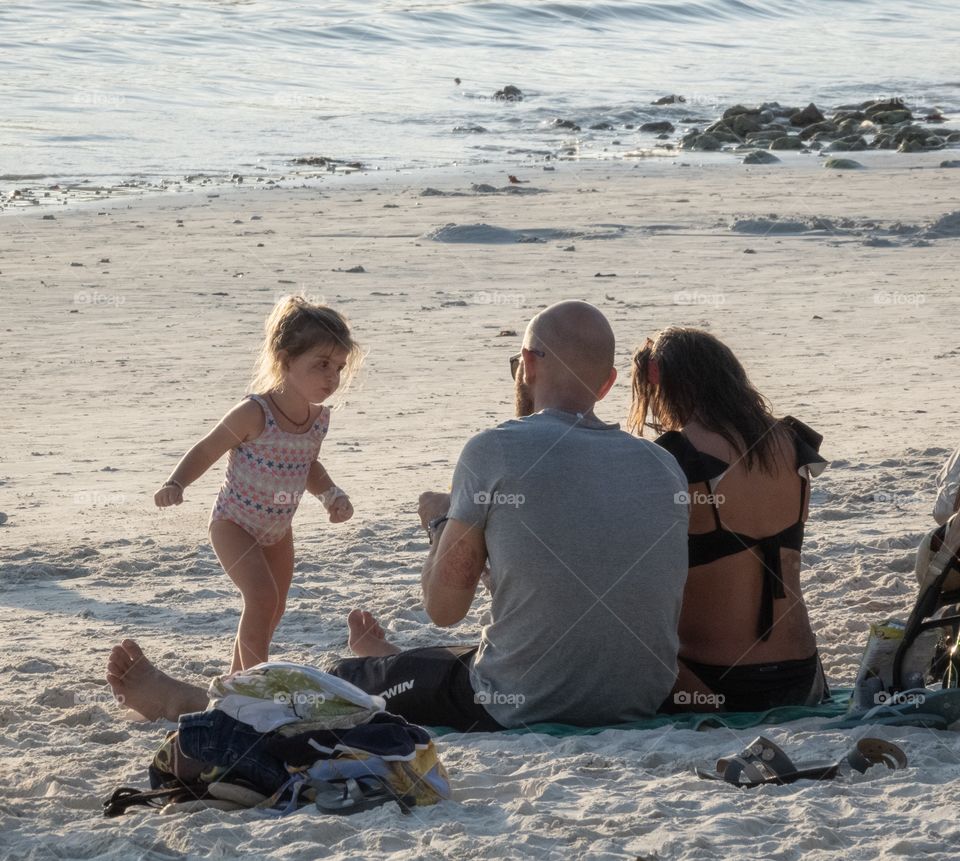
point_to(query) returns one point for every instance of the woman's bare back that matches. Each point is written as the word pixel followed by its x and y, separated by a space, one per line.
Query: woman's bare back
pixel 722 599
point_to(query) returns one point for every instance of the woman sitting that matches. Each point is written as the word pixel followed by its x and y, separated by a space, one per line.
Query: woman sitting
pixel 744 630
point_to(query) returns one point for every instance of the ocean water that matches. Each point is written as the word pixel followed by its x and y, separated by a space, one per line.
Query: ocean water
pixel 120 89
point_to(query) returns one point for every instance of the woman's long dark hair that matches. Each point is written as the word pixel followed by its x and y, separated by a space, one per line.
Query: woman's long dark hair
pixel 686 374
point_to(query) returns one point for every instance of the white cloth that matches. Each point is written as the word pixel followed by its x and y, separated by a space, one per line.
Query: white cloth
pixel 276 693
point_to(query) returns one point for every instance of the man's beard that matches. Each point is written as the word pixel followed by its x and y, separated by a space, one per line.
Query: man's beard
pixel 522 398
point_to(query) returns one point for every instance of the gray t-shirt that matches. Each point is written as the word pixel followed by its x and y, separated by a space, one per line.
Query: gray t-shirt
pixel 586 533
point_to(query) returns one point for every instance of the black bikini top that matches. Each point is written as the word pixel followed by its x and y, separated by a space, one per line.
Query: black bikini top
pixel 706 547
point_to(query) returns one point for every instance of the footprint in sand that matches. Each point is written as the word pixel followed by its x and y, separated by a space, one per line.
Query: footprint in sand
pixel 87 716
pixel 108 736
pixel 836 514
pixel 35 665
pixel 903 563
pixel 56 698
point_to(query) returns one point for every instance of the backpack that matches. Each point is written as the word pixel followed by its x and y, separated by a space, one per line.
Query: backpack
pixel 304 737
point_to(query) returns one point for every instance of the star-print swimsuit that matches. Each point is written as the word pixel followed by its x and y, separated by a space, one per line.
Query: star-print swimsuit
pixel 266 477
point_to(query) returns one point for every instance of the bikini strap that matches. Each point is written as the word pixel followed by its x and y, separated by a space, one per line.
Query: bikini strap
pixel 696 465
pixel 807 443
pixel 711 497
pixel 773 585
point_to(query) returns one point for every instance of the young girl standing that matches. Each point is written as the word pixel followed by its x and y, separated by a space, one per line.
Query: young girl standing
pixel 274 438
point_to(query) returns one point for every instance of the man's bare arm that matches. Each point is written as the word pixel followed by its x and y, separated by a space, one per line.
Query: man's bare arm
pixel 452 571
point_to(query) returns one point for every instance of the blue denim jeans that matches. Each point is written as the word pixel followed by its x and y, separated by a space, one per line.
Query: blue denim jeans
pixel 216 738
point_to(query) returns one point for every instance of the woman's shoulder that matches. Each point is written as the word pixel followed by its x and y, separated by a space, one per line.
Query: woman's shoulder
pixel 799 446
pixel 697 465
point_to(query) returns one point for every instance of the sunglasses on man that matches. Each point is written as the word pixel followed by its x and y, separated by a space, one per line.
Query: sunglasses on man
pixel 515 360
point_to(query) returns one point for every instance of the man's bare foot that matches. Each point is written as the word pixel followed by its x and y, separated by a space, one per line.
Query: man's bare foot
pixel 367 638
pixel 140 686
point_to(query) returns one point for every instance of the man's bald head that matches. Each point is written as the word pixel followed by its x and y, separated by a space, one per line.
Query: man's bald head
pixel 579 345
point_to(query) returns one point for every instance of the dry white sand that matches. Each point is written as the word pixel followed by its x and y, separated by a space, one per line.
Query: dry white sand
pixel 130 329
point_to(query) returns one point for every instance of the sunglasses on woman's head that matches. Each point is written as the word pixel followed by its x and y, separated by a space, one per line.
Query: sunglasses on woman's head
pixel 515 360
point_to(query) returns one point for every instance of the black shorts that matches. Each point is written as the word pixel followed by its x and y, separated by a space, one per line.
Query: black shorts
pixel 759 687
pixel 428 686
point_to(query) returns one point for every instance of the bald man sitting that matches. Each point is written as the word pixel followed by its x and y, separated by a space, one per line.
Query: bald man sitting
pixel 585 530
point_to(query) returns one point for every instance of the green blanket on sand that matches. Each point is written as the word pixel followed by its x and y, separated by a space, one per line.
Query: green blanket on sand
pixel 835 707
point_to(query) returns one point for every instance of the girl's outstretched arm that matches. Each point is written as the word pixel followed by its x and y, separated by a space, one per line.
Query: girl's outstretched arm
pixel 243 423
pixel 318 479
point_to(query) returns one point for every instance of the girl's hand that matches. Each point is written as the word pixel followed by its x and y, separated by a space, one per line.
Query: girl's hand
pixel 340 510
pixel 169 494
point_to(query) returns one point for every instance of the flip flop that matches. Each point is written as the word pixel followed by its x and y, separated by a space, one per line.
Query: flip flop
pixel 355 796
pixel 916 707
pixel 763 762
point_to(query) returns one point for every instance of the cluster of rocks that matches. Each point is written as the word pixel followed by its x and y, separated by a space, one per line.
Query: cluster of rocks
pixel 876 124
pixel 509 93
pixel 330 164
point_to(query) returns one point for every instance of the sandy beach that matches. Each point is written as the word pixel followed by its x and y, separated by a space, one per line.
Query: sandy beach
pixel 130 328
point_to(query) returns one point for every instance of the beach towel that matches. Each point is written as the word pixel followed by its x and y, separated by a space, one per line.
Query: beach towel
pixel 835 707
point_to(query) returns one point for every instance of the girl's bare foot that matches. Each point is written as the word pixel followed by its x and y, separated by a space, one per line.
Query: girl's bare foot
pixel 367 638
pixel 140 686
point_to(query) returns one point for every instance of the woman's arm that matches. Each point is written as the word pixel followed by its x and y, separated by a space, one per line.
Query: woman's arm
pixel 244 422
